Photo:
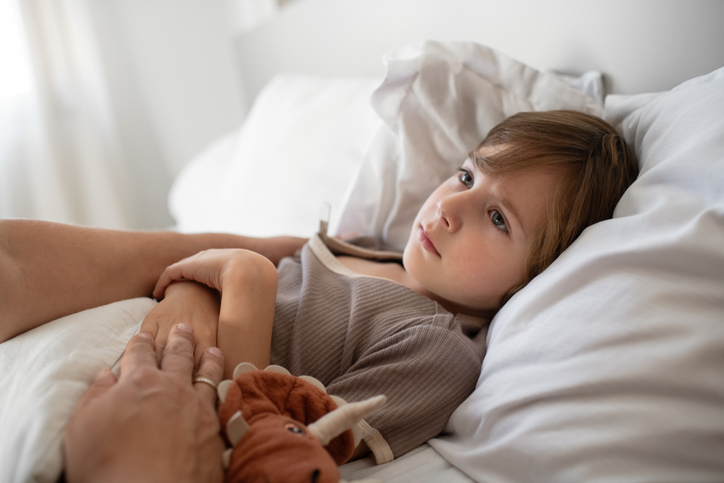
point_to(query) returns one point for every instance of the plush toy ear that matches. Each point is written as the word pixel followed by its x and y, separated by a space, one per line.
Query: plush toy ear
pixel 343 418
pixel 236 428
pixel 278 370
pixel 243 368
pixel 227 458
pixel 223 389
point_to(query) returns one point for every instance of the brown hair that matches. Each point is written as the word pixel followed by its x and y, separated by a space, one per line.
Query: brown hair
pixel 596 163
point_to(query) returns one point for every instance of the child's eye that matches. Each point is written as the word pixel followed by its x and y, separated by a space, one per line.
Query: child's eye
pixel 498 220
pixel 465 177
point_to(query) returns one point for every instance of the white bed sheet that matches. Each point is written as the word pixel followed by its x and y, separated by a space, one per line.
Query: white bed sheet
pixel 47 369
pixel 44 372
pixel 421 465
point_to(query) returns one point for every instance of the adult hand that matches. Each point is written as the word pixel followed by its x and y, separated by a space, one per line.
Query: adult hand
pixel 185 302
pixel 152 424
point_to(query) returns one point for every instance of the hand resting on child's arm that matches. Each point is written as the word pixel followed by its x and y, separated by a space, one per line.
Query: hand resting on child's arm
pixel 152 425
pixel 247 282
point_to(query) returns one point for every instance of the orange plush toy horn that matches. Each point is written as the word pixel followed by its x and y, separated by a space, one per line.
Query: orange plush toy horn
pixel 286 429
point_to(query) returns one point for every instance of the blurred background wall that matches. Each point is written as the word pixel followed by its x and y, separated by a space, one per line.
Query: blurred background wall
pixel 102 102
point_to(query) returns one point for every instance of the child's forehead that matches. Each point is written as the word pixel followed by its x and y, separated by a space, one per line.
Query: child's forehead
pixel 481 158
pixel 491 150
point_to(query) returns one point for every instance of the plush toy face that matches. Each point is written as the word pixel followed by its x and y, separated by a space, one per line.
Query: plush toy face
pixel 286 429
pixel 278 448
pixel 256 393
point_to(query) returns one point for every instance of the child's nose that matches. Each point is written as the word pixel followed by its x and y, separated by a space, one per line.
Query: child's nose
pixel 449 213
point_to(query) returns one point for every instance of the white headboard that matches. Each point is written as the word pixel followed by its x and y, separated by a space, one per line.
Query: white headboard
pixel 639 45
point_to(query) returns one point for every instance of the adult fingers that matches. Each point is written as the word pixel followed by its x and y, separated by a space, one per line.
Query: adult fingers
pixel 103 381
pixel 205 339
pixel 160 340
pixel 211 370
pixel 151 327
pixel 139 353
pixel 178 356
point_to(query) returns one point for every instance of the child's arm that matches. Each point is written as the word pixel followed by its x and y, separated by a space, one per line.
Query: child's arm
pixel 185 302
pixel 248 285
pixel 48 270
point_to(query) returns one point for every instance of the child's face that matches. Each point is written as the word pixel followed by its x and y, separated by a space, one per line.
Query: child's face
pixel 470 239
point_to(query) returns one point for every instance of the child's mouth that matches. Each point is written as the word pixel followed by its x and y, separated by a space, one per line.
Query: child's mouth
pixel 426 242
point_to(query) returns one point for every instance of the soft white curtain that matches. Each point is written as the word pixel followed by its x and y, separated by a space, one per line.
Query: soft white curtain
pixel 73 148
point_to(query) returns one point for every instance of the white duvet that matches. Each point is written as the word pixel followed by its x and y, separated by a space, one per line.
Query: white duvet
pixel 44 372
pixel 47 369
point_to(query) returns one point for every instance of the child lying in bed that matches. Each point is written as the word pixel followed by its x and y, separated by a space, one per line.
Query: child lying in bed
pixel 363 323
pixel 400 326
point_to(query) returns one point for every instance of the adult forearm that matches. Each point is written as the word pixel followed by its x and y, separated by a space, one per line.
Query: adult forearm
pixel 48 270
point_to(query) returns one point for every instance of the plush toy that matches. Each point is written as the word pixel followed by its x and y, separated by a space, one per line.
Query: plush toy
pixel 283 428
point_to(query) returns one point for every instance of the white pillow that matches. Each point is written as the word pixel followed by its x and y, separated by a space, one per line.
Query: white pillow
pixel 438 101
pixel 44 372
pixel 609 366
pixel 299 147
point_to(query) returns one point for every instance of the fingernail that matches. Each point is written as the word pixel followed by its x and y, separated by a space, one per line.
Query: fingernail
pixel 216 351
pixel 186 328
pixel 145 335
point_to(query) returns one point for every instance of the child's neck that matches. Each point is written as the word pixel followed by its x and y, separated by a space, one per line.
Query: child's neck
pixel 389 270
pixel 394 272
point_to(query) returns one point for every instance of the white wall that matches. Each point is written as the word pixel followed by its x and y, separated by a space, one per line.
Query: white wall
pixel 188 69
pixel 183 65
pixel 643 45
pixel 188 79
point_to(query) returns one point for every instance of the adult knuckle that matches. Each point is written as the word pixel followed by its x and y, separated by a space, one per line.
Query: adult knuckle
pixel 139 345
pixel 177 347
pixel 144 376
pixel 181 337
pixel 181 344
